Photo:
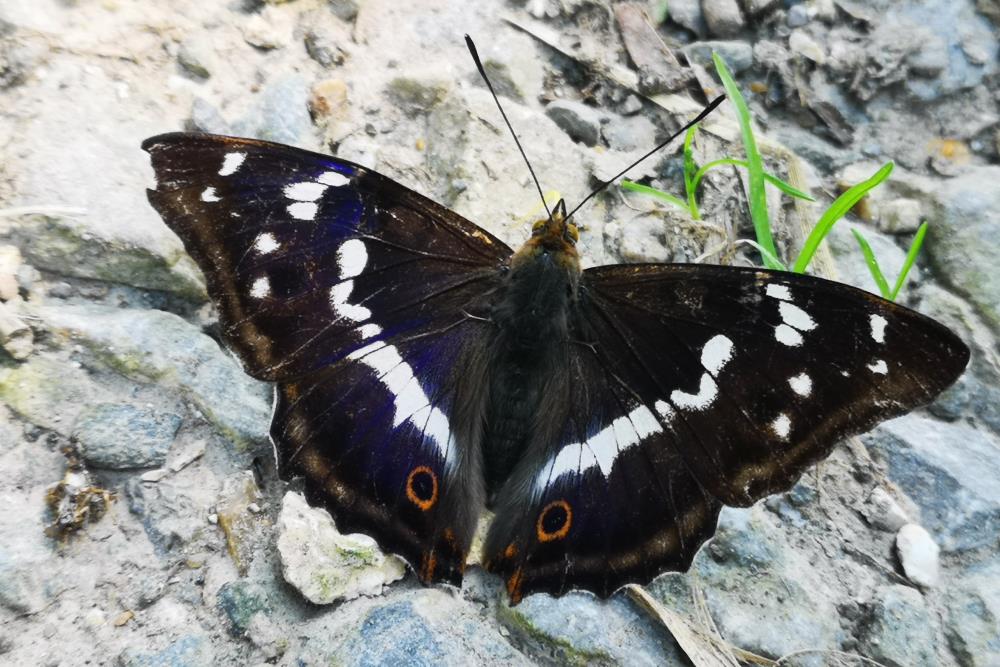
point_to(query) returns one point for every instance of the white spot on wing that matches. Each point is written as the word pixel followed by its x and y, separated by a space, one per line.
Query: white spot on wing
pixel 778 292
pixel 352 256
pixel 369 331
pixel 303 210
pixel 208 194
pixel 879 366
pixel 665 410
pixel 782 425
pixel 605 448
pixel 878 328
pixel 266 244
pixel 801 384
pixel 716 353
pixel 786 335
pixel 644 422
pixel 339 295
pixel 231 163
pixel 260 288
pixel 305 191
pixel 706 394
pixel 333 178
pixel 796 317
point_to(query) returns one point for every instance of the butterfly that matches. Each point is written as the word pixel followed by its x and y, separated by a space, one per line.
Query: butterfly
pixel 425 371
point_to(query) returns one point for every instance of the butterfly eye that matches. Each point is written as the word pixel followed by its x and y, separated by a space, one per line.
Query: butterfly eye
pixel 554 521
pixel 537 227
pixel 422 487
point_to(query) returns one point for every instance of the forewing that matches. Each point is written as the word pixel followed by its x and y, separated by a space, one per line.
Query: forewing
pixel 299 249
pixel 695 386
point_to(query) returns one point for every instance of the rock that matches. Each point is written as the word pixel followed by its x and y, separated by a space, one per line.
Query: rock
pixel 972 624
pixel 241 601
pixel 26 557
pixel 688 14
pixel 325 565
pixel 188 651
pixel 205 117
pixel 49 393
pixel 173 510
pixel 197 57
pixel 896 627
pixel 799 15
pixel 851 266
pixel 345 10
pixel 72 246
pixel 948 471
pixel 900 216
pixel 154 346
pixel 280 113
pixel 723 17
pixel 581 122
pixel 16 337
pixel 323 45
pixel 244 530
pixel 121 436
pixel 600 632
pixel 418 94
pixel 737 54
pixel 964 236
pixel 801 43
pixel 270 638
pixel 271 28
pixel 630 133
pixel 918 555
pixel 882 511
pixel 658 68
pixel 10 262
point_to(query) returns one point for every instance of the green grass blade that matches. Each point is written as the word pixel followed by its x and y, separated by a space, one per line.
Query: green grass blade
pixel 773 180
pixel 755 165
pixel 873 266
pixel 690 169
pixel 838 209
pixel 911 257
pixel 659 194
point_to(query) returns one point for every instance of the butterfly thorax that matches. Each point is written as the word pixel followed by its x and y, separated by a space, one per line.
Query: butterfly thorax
pixel 531 317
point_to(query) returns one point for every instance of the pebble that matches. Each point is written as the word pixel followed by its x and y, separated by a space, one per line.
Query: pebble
pixel 799 15
pixel 687 13
pixel 882 511
pixel 918 554
pixel 324 564
pixel 900 216
pixel 801 43
pixel 271 28
pixel 280 113
pixel 723 17
pixel 205 117
pixel 894 628
pixel 197 57
pixel 738 54
pixel 581 122
pixel 120 436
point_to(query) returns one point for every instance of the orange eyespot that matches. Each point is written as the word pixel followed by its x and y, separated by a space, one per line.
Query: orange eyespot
pixel 554 521
pixel 422 487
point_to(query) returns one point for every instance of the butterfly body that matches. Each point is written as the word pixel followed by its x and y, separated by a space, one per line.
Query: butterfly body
pixel 424 370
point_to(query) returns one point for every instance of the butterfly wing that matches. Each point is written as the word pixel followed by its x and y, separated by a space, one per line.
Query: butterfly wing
pixel 699 386
pixel 359 297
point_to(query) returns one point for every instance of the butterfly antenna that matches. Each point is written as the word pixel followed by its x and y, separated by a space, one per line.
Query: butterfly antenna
pixel 482 73
pixel 707 110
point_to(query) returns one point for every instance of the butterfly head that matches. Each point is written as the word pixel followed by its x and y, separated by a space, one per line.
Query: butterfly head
pixel 553 237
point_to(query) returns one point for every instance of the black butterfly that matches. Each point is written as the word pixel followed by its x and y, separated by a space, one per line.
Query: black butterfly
pixel 425 371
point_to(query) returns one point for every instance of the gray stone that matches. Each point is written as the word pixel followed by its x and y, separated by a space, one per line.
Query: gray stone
pixel 949 470
pixel 896 629
pixel 972 624
pixel 324 564
pixel 799 15
pixel 26 558
pixel 205 117
pixel 581 122
pixel 345 10
pixel 851 266
pixel 323 45
pixel 601 632
pixel 49 393
pixel 723 17
pixel 737 54
pixel 630 133
pixel 918 554
pixel 160 347
pixel 280 113
pixel 240 601
pixel 688 14
pixel 122 436
pixel 418 94
pixel 173 510
pixel 197 57
pixel 271 28
pixel 964 236
pixel 801 43
pixel 900 216
pixel 882 511
pixel 188 651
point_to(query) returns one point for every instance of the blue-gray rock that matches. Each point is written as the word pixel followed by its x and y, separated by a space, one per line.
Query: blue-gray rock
pixel 240 600
pixel 972 624
pixel 611 631
pixel 120 436
pixel 280 113
pixel 964 236
pixel 897 630
pixel 687 13
pixel 630 133
pixel 188 651
pixel 49 393
pixel 154 346
pixel 737 54
pixel 950 472
pixel 205 117
pixel 724 18
pixel 581 122
pixel 173 511
pixel 851 265
pixel 345 10
pixel 798 15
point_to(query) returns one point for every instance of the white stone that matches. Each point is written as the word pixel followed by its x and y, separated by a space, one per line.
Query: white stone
pixel 882 511
pixel 918 554
pixel 325 565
